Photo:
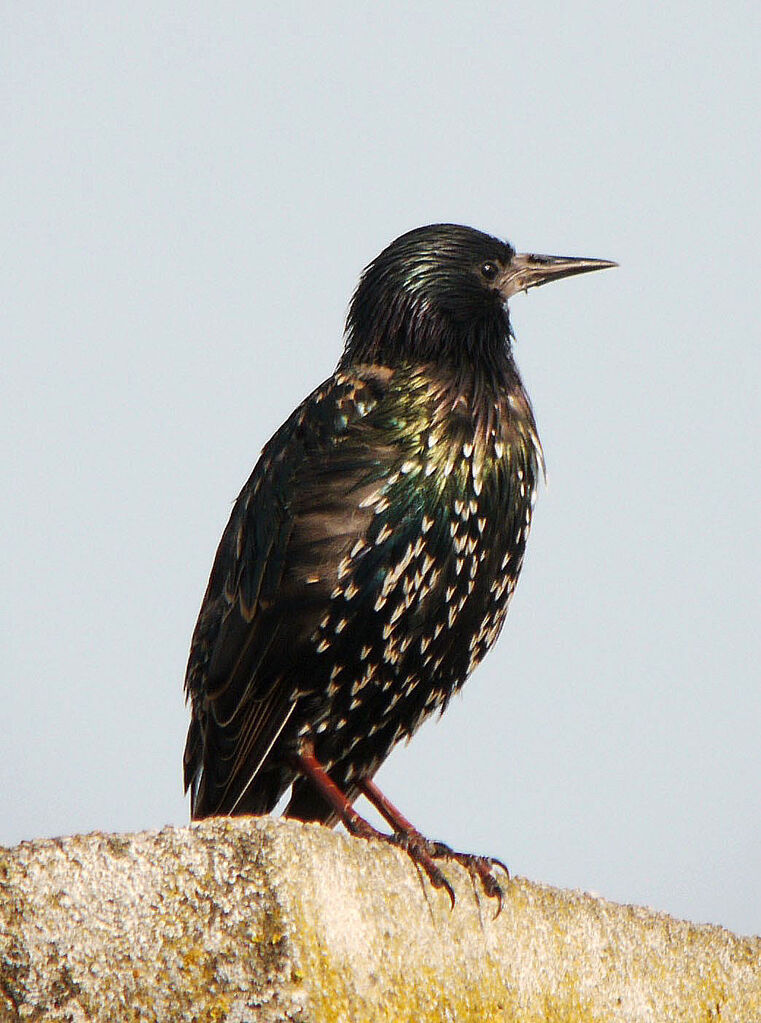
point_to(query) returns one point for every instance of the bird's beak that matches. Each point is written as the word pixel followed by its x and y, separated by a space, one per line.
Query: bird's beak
pixel 527 270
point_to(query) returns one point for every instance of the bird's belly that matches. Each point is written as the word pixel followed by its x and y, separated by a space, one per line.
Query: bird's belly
pixel 411 640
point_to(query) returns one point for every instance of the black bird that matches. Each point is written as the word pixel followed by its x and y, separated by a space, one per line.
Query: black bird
pixel 370 558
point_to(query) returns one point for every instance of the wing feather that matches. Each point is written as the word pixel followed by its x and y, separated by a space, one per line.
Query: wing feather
pixel 265 594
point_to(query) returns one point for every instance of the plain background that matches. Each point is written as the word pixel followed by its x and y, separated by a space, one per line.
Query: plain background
pixel 189 195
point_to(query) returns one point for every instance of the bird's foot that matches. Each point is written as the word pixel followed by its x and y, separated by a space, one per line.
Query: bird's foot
pixel 414 844
pixel 424 852
pixel 480 867
pixel 417 848
pixel 421 850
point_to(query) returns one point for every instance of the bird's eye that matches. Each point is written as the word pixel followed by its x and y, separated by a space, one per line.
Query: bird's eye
pixel 489 271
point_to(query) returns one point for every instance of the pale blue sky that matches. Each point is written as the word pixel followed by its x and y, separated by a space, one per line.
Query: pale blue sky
pixel 189 193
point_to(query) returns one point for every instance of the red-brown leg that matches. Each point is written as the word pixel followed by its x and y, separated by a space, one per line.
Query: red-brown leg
pixel 310 766
pixel 386 808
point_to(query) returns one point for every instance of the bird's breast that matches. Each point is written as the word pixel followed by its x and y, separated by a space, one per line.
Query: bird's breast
pixel 422 593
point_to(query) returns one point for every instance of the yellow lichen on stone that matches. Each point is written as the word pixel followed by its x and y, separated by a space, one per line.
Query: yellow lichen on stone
pixel 258 919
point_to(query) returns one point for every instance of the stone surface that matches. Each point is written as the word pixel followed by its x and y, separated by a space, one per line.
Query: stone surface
pixel 260 919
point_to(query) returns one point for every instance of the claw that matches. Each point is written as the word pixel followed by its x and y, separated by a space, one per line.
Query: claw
pixel 477 866
pixel 416 848
pixel 498 863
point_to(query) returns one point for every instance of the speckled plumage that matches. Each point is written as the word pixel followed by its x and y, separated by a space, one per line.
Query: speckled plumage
pixel 370 558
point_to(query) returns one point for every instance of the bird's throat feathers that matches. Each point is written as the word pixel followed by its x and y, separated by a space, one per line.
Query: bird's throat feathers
pixel 449 422
pixel 450 369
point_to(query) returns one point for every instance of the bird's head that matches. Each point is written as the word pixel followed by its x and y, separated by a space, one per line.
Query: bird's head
pixel 439 294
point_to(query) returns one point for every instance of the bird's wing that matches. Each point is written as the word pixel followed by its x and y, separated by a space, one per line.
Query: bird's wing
pixel 267 591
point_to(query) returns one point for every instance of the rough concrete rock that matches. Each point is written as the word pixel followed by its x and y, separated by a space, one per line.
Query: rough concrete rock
pixel 260 919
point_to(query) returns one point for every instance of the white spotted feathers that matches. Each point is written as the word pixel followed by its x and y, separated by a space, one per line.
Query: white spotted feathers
pixel 428 582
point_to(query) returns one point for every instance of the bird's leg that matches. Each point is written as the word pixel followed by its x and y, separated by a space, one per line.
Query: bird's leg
pixel 387 810
pixel 480 866
pixel 308 764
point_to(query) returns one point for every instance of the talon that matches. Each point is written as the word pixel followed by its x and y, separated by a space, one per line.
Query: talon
pixel 416 848
pixel 493 889
pixel 498 863
pixel 477 866
pixel 441 882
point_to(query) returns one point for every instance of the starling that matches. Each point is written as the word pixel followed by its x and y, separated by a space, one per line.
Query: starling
pixel 370 558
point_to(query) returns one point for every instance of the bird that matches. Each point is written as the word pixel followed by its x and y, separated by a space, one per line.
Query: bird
pixel 371 556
